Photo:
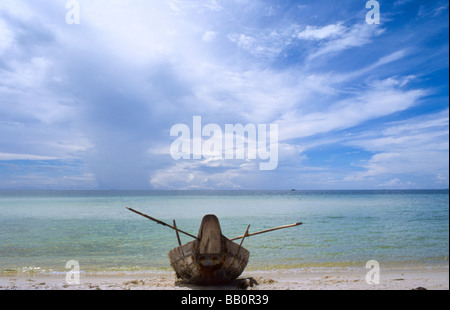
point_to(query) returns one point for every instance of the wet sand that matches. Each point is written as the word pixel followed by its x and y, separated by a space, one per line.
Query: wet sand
pixel 315 278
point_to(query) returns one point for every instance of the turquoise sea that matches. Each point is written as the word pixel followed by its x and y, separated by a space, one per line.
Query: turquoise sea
pixel 41 230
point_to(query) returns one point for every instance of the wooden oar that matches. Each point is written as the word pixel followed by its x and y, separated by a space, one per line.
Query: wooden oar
pixel 245 235
pixel 176 231
pixel 161 222
pixel 267 230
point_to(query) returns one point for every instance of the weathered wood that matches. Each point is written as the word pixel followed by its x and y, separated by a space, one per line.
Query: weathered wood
pixel 245 235
pixel 176 231
pixel 188 267
pixel 210 260
pixel 210 235
pixel 161 222
pixel 267 230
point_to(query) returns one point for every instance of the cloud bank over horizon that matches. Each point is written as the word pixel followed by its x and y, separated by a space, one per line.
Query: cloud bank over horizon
pixel 91 105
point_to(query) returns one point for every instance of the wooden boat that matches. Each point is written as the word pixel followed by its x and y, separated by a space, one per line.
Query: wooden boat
pixel 211 258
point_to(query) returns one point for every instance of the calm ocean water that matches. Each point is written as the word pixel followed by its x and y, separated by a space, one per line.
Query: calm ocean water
pixel 42 230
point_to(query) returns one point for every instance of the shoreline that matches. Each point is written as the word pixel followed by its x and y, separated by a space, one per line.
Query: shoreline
pixel 312 278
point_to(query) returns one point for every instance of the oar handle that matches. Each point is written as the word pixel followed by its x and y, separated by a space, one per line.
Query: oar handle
pixel 267 230
pixel 161 222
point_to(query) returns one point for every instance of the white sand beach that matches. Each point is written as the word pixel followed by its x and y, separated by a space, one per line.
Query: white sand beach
pixel 315 278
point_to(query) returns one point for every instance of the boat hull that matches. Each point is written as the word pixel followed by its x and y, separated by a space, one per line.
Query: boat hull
pixel 192 267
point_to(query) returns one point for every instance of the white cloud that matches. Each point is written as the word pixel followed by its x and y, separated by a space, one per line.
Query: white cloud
pixel 29 75
pixel 356 36
pixel 401 2
pixel 25 93
pixel 8 156
pixel 256 96
pixel 193 175
pixel 398 184
pixel 321 33
pixel 209 36
pixel 425 133
pixel 427 11
pixel 6 37
pixel 442 179
pixel 265 45
pixel 189 6
pixel 417 146
pixel 383 99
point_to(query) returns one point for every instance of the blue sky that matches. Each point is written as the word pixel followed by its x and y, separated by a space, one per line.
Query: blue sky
pixel 91 105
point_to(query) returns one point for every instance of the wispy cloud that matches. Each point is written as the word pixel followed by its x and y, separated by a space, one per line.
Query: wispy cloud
pixel 418 146
pixel 322 33
pixel 381 99
pixel 8 156
pixel 199 175
pixel 340 38
pixel 432 10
